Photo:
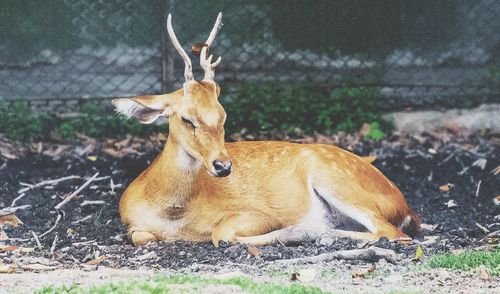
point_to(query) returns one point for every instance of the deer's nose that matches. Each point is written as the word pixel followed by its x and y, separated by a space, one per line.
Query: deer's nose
pixel 222 169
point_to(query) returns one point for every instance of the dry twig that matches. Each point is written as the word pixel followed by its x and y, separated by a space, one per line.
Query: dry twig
pixel 370 254
pixel 68 199
pixel 59 215
pixel 37 240
pixel 12 210
pixel 53 247
pixel 44 183
pixel 17 199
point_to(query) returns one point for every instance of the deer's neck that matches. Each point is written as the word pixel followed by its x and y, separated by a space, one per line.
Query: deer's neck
pixel 177 173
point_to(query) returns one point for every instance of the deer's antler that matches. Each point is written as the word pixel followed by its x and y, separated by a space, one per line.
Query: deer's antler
pixel 206 63
pixel 188 68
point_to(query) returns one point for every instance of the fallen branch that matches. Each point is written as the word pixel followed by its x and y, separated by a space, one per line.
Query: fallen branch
pixel 37 240
pixel 81 220
pixel 17 199
pixel 12 210
pixel 92 202
pixel 370 254
pixel 53 247
pixel 44 183
pixel 59 215
pixel 68 199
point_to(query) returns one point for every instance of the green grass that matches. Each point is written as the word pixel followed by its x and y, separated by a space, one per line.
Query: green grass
pixel 467 261
pixel 194 285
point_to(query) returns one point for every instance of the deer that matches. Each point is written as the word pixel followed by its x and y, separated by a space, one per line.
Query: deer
pixel 201 188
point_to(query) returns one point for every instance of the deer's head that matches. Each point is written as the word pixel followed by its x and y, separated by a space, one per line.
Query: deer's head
pixel 196 118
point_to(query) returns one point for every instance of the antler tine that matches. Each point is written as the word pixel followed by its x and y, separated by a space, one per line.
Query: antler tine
pixel 206 63
pixel 215 30
pixel 188 68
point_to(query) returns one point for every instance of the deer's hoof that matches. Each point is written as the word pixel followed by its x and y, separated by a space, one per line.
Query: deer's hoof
pixel 140 238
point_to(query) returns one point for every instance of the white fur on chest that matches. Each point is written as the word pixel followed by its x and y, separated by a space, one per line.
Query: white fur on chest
pixel 153 221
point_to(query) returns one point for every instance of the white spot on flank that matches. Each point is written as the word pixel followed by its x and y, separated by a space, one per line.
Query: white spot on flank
pixel 186 161
pixel 352 212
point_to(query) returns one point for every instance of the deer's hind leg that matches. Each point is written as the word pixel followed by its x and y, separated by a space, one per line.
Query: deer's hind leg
pixel 352 207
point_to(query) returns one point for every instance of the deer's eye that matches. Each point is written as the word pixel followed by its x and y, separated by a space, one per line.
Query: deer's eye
pixel 188 122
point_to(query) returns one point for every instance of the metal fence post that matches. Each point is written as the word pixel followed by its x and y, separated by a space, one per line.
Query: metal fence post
pixel 167 61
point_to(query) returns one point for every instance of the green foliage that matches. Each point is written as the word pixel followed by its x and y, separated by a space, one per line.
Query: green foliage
pixel 494 80
pixel 267 108
pixel 19 122
pixel 193 285
pixel 375 132
pixel 272 106
pixel 468 261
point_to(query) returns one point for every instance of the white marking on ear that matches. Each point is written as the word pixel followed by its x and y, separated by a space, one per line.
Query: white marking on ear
pixel 130 108
pixel 126 106
pixel 186 161
pixel 348 210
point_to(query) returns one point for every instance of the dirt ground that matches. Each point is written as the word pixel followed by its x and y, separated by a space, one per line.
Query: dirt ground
pixel 450 180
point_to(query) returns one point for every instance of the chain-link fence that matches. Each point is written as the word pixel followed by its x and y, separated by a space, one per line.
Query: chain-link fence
pixel 417 52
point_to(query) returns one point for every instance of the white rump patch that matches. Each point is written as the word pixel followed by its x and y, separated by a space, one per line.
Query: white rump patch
pixel 315 220
pixel 348 210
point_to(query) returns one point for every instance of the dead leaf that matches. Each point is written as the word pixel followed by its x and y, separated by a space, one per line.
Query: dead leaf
pixel 496 200
pixel 304 275
pixel 10 220
pixel 451 203
pixel 254 251
pixel 69 232
pixel 419 253
pixel 372 268
pixel 97 261
pixel 481 163
pixel 431 239
pixel 483 273
pixel 147 255
pixel 358 274
pixel 3 236
pixel 365 129
pixel 6 269
pixel 369 159
pixel 429 227
pixel 432 151
pixel 5 248
pixel 446 187
pixel 92 158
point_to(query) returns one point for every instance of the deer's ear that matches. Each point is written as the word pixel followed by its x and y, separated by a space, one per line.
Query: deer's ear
pixel 147 109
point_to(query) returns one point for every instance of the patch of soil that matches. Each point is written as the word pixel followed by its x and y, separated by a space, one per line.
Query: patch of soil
pixel 418 165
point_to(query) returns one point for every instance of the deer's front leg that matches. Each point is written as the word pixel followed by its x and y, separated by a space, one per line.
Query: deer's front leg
pixel 240 225
pixel 140 238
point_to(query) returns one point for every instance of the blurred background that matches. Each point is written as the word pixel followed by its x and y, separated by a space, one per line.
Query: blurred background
pixel 395 55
